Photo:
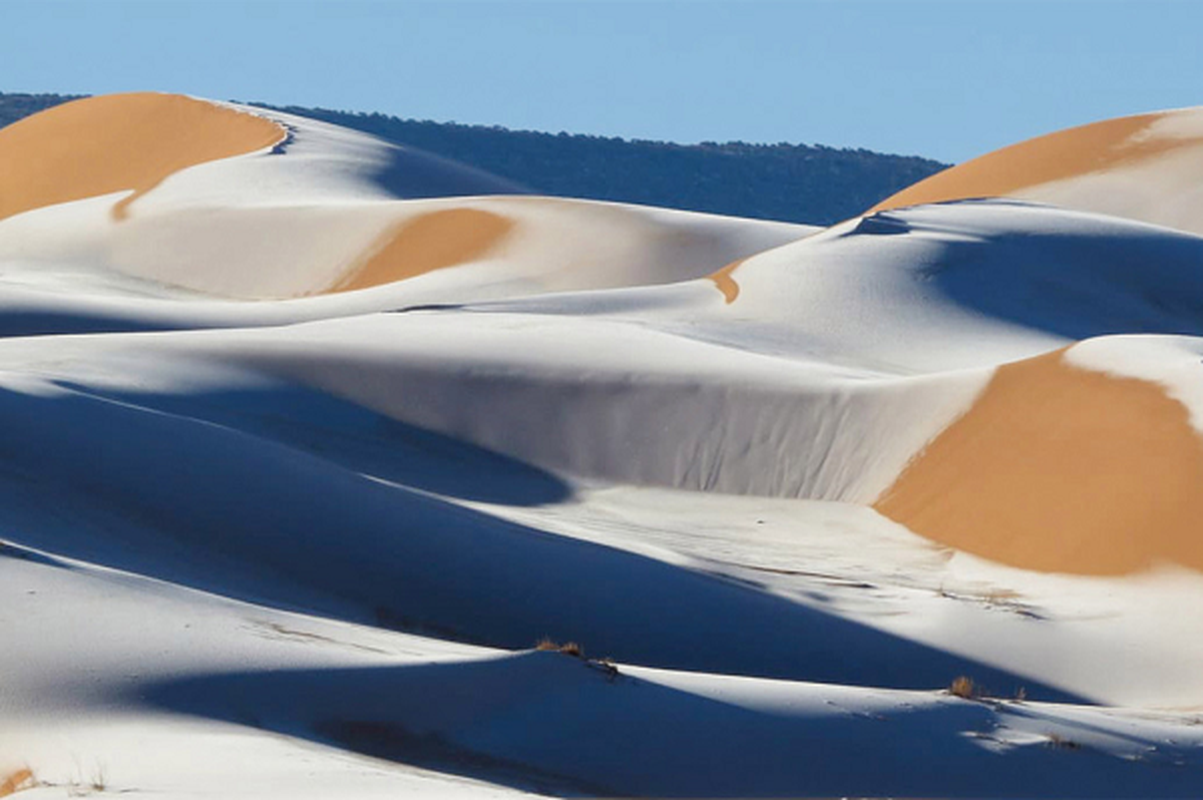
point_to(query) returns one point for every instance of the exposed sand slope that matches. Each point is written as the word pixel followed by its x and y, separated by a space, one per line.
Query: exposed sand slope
pixel 122 142
pixel 1052 157
pixel 725 283
pixel 1062 469
pixel 1145 167
pixel 428 242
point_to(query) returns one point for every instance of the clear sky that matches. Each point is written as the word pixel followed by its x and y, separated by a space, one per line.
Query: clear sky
pixel 946 79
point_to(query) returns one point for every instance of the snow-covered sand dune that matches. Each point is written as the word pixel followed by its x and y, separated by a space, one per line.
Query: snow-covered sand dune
pixel 308 439
pixel 1146 167
pixel 309 208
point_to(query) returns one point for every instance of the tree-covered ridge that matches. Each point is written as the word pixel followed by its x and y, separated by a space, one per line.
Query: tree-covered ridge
pixel 16 106
pixel 795 183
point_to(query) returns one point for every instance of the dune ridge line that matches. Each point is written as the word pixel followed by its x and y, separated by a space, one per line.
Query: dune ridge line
pixel 1068 153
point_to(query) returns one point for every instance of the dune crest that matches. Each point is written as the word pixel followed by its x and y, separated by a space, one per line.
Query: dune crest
pixel 122 142
pixel 1145 168
pixel 1061 469
pixel 1044 159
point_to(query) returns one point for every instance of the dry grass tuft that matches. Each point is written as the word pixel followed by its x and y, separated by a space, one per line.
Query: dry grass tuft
pixel 568 648
pixel 607 667
pixel 1061 743
pixel 964 688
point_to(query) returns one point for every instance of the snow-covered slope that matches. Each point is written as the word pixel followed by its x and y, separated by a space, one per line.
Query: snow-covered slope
pixel 308 208
pixel 300 463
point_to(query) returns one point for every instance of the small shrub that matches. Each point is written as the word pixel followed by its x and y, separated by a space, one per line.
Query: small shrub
pixel 608 668
pixel 568 648
pixel 964 688
pixel 1061 743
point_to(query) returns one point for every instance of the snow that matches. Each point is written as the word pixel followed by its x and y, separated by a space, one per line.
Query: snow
pixel 305 546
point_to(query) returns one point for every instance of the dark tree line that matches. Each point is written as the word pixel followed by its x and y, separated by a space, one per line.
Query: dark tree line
pixel 791 182
pixel 16 106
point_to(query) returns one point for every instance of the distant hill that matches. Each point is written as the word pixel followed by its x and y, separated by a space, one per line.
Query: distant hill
pixel 15 106
pixel 790 182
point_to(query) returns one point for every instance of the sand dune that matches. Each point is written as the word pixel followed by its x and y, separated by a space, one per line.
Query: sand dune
pixel 307 441
pixel 1059 468
pixel 118 143
pixel 334 211
pixel 1142 167
pixel 1054 157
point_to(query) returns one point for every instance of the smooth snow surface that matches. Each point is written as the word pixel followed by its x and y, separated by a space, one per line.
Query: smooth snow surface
pixel 304 448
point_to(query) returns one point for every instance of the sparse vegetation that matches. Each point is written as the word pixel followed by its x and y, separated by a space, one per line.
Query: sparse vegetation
pixel 81 786
pixel 568 648
pixel 604 665
pixel 964 687
pixel 1061 743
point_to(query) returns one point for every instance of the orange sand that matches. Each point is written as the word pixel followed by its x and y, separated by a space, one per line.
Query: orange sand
pixel 1061 469
pixel 725 282
pixel 425 243
pixel 100 145
pixel 1064 154
pixel 11 784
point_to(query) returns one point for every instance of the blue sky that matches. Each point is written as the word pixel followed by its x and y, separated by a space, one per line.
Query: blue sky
pixel 947 79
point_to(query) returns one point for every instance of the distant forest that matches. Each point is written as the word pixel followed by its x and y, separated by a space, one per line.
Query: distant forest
pixel 790 182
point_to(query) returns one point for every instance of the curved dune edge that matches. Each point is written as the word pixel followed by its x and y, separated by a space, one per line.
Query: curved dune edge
pixel 725 282
pixel 16 781
pixel 426 243
pixel 121 142
pixel 1076 151
pixel 1061 469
